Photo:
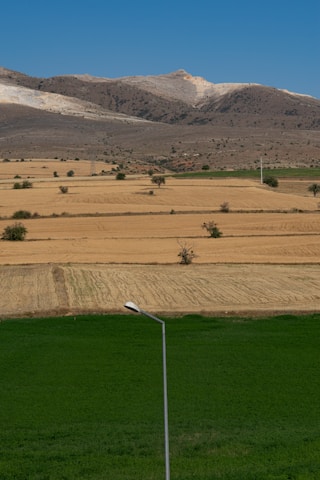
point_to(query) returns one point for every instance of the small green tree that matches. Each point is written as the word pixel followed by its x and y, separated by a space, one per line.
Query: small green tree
pixel 271 181
pixel 212 229
pixel 158 180
pixel 120 176
pixel 17 185
pixel 63 189
pixel 314 188
pixel 70 173
pixel 16 232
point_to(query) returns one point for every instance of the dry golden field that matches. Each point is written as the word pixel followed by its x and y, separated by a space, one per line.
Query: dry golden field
pixel 107 241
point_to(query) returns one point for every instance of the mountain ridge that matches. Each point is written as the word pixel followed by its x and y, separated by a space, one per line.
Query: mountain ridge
pixel 176 118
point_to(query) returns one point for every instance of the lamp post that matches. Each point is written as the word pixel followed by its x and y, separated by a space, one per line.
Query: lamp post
pixel 135 308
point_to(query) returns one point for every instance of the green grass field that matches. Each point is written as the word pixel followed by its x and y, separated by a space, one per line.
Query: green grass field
pixel 81 398
pixel 311 173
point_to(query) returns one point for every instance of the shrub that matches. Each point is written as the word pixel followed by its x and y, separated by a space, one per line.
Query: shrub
pixel 14 232
pixel 26 184
pixel 21 214
pixel 120 176
pixel 224 207
pixel 205 167
pixel 186 254
pixel 70 173
pixel 212 229
pixel 271 181
pixel 55 174
pixel 63 189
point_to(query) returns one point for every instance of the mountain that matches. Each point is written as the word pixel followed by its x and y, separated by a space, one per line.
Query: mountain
pixel 174 120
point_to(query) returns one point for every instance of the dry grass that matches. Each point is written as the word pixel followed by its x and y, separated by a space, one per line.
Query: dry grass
pixel 128 247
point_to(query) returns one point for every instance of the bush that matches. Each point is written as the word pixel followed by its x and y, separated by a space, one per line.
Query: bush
pixel 21 214
pixel 186 253
pixel 212 229
pixel 24 184
pixel 70 173
pixel 14 232
pixel 224 207
pixel 63 189
pixel 120 176
pixel 271 181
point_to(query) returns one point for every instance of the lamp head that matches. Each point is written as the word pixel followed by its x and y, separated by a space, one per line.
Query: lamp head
pixel 132 306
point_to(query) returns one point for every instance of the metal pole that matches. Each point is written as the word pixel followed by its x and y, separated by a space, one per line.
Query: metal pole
pixel 135 308
pixel 165 392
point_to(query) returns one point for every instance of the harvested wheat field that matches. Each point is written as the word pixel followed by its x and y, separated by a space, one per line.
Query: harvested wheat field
pixel 107 241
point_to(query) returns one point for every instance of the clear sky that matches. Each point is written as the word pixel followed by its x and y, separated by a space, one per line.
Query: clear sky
pixel 271 42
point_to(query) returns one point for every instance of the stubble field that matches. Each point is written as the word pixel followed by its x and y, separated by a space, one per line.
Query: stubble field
pixel 107 241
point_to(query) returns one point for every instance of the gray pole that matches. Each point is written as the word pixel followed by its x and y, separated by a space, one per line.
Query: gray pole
pixel 133 307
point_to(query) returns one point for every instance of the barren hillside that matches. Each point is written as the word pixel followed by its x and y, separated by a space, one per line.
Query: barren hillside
pixel 191 122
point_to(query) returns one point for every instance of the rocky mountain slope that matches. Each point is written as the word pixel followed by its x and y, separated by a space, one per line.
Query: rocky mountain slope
pixel 176 120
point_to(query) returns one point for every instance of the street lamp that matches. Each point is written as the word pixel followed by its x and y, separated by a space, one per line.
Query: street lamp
pixel 135 308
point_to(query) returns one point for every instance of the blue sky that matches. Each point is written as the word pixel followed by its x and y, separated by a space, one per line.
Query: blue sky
pixel 274 42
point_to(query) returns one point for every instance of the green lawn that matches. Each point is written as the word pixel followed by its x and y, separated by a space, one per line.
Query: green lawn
pixel 81 398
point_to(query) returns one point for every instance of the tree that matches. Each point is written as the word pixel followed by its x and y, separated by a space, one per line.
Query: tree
pixel 271 181
pixel 212 229
pixel 158 180
pixel 186 254
pixel 63 189
pixel 314 188
pixel 120 176
pixel 14 232
pixel 70 173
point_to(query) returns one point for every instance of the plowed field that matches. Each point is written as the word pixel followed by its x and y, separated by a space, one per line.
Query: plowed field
pixel 107 241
